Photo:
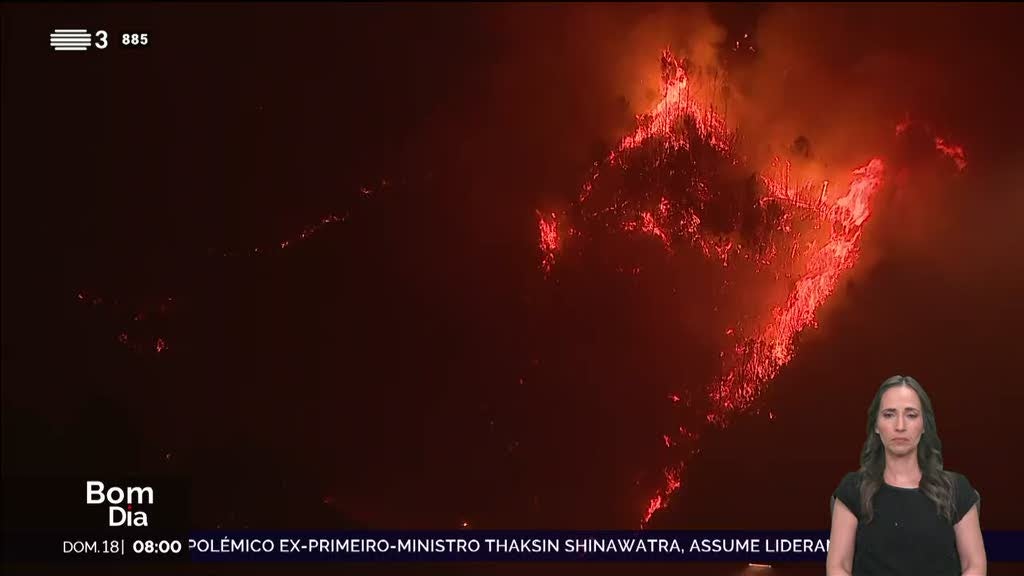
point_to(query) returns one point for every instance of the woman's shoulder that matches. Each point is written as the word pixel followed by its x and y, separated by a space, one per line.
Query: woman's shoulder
pixel 848 491
pixel 958 479
pixel 960 482
pixel 852 478
pixel 965 495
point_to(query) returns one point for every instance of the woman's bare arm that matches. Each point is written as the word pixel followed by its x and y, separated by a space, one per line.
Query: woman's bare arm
pixel 970 545
pixel 841 541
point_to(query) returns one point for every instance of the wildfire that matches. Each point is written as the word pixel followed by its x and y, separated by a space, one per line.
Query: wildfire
pixel 760 358
pixel 677 177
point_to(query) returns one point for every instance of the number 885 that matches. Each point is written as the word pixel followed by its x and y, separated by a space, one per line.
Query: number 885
pixel 134 39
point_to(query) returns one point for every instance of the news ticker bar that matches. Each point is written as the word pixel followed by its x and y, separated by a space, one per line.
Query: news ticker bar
pixel 451 546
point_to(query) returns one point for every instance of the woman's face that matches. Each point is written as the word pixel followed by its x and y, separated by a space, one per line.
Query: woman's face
pixel 900 421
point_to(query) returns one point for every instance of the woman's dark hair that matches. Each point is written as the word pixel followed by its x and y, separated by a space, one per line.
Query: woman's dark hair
pixel 936 483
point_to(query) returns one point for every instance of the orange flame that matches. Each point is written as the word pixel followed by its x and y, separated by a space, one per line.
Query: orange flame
pixel 683 129
pixel 761 358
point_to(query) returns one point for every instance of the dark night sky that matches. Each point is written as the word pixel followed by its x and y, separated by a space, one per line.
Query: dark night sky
pixel 412 363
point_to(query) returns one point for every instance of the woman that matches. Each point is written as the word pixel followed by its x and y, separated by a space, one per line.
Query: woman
pixel 901 513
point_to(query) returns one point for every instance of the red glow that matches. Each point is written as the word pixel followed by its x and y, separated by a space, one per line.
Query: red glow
pixel 953 151
pixel 651 227
pixel 673 162
pixel 653 506
pixel 660 500
pixel 759 359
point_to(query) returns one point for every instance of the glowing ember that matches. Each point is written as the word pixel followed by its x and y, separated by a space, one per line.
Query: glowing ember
pixel 652 228
pixel 655 505
pixel 140 326
pixel 306 233
pixel 548 239
pixel 142 330
pixel 956 153
pixel 660 500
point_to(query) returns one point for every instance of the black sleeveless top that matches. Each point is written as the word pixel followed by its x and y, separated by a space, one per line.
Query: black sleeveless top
pixel 907 536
